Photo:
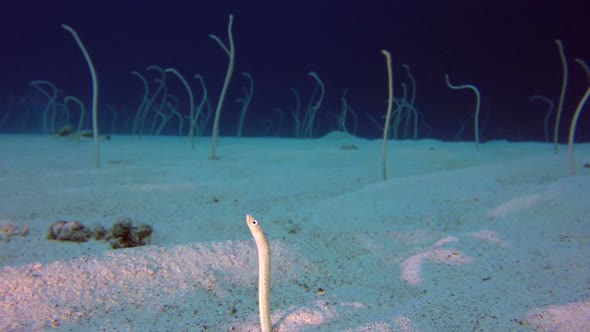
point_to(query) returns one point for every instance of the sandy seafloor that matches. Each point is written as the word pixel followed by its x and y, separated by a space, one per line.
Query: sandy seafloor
pixel 455 240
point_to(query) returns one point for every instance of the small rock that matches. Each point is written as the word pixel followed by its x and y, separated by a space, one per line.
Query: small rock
pixel 73 231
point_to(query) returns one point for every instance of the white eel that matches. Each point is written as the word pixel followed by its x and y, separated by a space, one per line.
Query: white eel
pixel 263 273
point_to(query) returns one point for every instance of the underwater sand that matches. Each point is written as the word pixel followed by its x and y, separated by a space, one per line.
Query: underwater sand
pixel 455 240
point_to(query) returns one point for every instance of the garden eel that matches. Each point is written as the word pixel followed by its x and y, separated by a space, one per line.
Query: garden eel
pixel 263 273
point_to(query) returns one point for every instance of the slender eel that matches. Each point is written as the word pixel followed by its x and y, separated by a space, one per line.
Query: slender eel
pixel 263 272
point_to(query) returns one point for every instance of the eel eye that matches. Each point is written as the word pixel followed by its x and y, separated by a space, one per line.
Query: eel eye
pixel 254 222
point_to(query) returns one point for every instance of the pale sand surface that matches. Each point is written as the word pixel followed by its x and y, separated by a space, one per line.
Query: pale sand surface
pixel 455 240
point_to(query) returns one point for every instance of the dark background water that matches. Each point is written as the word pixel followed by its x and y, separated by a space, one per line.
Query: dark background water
pixel 506 48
